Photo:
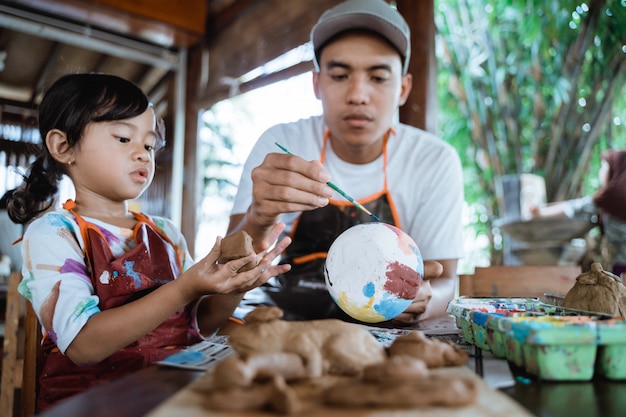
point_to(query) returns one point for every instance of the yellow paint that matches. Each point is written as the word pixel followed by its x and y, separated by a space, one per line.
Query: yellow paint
pixel 364 313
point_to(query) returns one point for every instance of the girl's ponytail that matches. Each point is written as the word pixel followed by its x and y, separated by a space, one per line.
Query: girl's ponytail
pixel 38 191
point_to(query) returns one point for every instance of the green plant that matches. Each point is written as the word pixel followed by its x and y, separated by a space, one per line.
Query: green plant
pixel 530 87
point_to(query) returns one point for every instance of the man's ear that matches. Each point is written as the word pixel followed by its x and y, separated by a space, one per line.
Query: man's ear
pixel 59 148
pixel 407 84
pixel 316 84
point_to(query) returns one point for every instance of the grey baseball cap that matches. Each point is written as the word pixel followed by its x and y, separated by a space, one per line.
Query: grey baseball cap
pixel 374 15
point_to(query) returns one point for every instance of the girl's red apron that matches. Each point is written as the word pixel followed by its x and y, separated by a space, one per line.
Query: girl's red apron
pixel 301 293
pixel 150 264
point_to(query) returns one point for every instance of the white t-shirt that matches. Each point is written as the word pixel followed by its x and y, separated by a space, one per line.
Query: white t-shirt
pixel 424 178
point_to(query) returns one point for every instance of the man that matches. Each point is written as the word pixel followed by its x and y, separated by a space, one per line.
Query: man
pixel 404 175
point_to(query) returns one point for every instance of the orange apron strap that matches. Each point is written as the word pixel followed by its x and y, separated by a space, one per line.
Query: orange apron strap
pixel 392 205
pixel 310 257
pixel 142 218
pixel 84 226
pixel 394 212
pixel 70 205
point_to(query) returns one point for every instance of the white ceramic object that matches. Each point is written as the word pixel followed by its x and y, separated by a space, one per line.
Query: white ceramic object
pixel 373 271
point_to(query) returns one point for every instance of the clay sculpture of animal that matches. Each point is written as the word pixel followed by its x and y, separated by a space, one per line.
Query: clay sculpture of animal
pixel 598 291
pixel 435 353
pixel 327 346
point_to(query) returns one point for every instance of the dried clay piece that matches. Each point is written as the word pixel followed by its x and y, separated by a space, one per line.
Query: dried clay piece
pixel 235 246
pixel 327 346
pixel 598 291
pixel 274 395
pixel 396 369
pixel 235 372
pixel 434 352
pixel 435 390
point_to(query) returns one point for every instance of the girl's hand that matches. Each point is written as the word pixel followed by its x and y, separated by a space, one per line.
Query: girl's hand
pixel 208 277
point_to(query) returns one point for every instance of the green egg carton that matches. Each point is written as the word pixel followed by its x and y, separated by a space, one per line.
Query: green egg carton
pixel 514 352
pixel 488 332
pixel 512 346
pixel 463 307
pixel 548 341
pixel 557 348
pixel 498 328
pixel 611 356
pixel 478 321
pixel 466 328
pixel 496 337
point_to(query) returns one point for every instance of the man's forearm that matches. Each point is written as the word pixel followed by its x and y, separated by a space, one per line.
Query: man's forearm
pixel 442 293
pixel 254 229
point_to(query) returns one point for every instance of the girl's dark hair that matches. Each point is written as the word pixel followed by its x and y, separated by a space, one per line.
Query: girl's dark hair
pixel 69 105
pixel 611 198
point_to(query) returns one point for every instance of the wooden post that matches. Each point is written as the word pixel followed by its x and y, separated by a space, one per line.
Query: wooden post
pixel 13 359
pixel 420 110
pixel 192 185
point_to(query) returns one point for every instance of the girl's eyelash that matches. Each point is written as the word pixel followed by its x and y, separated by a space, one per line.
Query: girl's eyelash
pixel 123 139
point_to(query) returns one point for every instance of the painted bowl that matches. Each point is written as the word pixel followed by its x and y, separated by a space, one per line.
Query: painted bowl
pixel 373 271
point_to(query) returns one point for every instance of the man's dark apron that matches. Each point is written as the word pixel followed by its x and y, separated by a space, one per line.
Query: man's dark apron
pixel 301 293
pixel 117 281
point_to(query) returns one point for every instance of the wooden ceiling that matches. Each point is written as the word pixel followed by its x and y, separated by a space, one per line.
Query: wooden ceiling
pixel 41 40
pixel 141 40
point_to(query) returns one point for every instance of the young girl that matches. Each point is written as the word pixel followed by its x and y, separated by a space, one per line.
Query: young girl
pixel 114 290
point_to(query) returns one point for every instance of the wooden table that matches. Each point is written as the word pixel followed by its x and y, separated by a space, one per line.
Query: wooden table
pixel 595 398
pixel 139 393
pixel 599 398
pixel 130 396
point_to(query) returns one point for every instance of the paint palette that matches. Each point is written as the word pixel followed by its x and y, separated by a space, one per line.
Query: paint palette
pixel 373 271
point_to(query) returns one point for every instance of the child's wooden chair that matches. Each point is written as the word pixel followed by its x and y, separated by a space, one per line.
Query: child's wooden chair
pixel 22 354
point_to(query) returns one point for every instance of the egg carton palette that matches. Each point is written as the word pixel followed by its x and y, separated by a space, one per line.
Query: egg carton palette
pixel 547 341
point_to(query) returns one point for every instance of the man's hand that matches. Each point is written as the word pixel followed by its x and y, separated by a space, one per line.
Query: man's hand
pixel 411 315
pixel 286 183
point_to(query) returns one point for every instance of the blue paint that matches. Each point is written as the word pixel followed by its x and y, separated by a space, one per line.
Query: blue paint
pixel 369 289
pixel 390 306
pixel 186 357
pixel 128 266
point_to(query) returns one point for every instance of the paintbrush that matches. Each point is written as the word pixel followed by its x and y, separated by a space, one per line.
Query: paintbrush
pixel 339 190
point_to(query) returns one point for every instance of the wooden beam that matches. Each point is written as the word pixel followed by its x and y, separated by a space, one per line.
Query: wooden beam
pixel 188 15
pixel 163 22
pixel 265 32
pixel 218 21
pixel 192 184
pixel 420 110
pixel 262 81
